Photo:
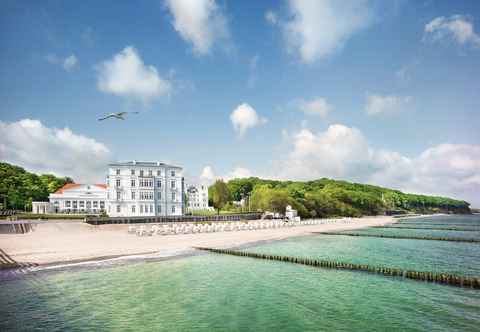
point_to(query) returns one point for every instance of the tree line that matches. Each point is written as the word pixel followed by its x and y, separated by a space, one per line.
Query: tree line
pixel 18 188
pixel 327 198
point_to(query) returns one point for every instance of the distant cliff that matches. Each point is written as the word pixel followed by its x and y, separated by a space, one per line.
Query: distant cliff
pixel 326 197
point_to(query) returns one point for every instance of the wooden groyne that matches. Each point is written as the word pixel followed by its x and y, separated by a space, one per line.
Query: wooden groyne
pixel 440 278
pixel 433 238
pixel 433 228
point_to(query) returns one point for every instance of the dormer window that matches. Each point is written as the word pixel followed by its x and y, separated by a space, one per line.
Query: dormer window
pixel 132 172
pixel 118 171
pixel 172 173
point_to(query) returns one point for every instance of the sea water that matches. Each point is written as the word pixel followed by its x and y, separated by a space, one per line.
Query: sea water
pixel 212 292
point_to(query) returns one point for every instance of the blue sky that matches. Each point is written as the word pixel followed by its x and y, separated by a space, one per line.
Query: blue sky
pixel 369 91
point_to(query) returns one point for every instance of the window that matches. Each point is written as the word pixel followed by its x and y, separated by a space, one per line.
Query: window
pixel 102 204
pixel 151 208
pixel 172 173
pixel 133 208
pixel 67 204
pixel 159 195
pixel 132 172
pixel 95 204
pixel 158 173
pixel 173 196
pixel 173 208
pixel 159 208
pixel 141 208
pixel 172 184
pixel 132 183
pixel 81 204
pixel 118 195
pixel 89 204
pixel 117 183
pixel 118 208
pixel 118 171
pixel 159 184
pixel 133 195
pixel 150 172
pixel 141 172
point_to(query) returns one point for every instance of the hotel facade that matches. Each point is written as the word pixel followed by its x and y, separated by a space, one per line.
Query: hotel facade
pixel 144 189
pixel 77 198
pixel 197 198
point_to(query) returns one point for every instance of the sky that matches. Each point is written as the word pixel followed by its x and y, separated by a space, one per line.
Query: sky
pixel 379 92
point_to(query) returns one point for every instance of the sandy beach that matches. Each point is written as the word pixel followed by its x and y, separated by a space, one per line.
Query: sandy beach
pixel 69 242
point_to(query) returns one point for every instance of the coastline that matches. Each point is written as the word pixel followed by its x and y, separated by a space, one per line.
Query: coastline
pixel 60 245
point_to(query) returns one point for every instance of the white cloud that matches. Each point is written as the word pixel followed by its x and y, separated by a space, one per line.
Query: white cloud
pixel 317 106
pixel 378 104
pixel 30 144
pixel 126 75
pixel 344 153
pixel 70 62
pixel 67 63
pixel 458 28
pixel 271 17
pixel 238 173
pixel 245 117
pixel 318 28
pixel 199 22
pixel 207 175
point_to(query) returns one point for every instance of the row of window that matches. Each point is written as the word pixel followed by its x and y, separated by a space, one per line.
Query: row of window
pixel 83 204
pixel 142 172
pixel 145 195
pixel 197 205
pixel 145 183
pixel 146 208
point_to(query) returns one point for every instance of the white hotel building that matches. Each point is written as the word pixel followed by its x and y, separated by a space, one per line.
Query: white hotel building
pixel 76 198
pixel 197 198
pixel 144 189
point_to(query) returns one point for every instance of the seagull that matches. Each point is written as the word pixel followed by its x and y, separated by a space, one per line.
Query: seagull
pixel 119 115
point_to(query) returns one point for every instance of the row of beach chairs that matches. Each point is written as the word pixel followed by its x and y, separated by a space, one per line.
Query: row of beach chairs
pixel 188 228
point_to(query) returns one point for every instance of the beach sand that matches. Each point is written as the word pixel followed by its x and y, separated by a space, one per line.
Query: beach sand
pixel 73 242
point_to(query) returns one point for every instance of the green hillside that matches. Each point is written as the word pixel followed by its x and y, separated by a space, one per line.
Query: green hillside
pixel 18 188
pixel 326 197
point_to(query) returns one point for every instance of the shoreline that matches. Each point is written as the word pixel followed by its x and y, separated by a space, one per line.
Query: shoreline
pixel 56 245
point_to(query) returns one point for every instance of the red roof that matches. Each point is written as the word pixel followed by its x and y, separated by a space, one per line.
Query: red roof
pixel 101 185
pixel 67 186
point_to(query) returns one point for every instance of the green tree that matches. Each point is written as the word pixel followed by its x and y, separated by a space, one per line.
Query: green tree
pixel 220 194
pixel 18 188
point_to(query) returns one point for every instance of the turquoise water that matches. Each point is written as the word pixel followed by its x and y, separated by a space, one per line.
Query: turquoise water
pixel 213 292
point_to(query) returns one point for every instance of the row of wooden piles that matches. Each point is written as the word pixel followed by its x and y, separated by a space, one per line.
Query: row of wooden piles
pixel 441 278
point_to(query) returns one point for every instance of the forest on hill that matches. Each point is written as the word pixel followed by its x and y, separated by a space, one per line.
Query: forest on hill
pixel 18 188
pixel 326 198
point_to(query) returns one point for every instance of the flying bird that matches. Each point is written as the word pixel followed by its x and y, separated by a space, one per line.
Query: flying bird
pixel 119 115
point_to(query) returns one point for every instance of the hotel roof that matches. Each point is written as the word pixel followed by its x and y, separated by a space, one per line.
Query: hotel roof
pixel 143 163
